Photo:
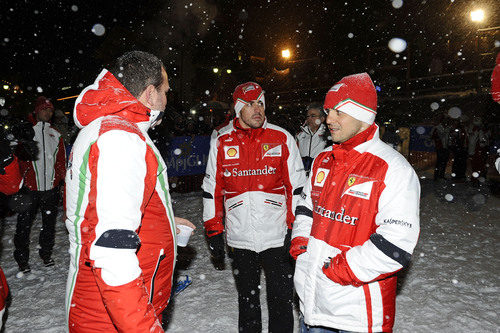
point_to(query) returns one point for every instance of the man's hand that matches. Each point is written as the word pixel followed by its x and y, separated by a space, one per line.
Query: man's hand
pixel 337 270
pixel 216 245
pixel 298 246
pixel 180 220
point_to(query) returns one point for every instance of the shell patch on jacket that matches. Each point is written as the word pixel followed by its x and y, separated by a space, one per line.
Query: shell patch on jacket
pixel 231 152
pixel 320 178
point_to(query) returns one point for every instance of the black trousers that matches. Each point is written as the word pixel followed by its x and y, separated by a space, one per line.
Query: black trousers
pixel 279 281
pixel 47 201
pixel 442 157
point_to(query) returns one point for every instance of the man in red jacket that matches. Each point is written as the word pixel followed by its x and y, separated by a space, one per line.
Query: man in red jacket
pixel 357 221
pixel 42 177
pixel 119 215
pixel 253 180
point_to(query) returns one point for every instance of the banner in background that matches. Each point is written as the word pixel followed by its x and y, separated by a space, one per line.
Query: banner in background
pixel 187 155
pixel 420 138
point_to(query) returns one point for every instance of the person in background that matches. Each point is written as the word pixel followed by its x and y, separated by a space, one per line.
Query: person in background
pixel 41 189
pixel 478 145
pixel 311 139
pixel 122 230
pixel 253 180
pixel 357 221
pixel 440 134
pixel 391 137
pixel 458 144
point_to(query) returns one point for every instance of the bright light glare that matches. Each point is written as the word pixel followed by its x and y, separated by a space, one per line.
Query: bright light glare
pixel 228 71
pixel 285 53
pixel 6 86
pixel 477 15
pixel 216 70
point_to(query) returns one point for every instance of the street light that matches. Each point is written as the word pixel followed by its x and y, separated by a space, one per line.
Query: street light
pixel 216 70
pixel 477 15
pixel 285 53
pixel 228 71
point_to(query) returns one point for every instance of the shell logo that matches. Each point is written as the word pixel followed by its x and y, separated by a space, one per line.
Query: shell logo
pixel 320 177
pixel 231 152
pixel 351 181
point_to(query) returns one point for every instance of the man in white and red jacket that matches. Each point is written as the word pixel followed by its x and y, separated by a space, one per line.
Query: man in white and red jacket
pixel 357 222
pixel 42 177
pixel 253 180
pixel 120 221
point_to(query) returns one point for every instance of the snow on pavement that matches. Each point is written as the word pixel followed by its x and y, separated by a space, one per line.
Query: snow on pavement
pixel 451 286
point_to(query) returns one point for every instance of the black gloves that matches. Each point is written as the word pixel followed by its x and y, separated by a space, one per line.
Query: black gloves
pixel 216 245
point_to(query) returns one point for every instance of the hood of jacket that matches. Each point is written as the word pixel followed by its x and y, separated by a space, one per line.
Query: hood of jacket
pixel 107 96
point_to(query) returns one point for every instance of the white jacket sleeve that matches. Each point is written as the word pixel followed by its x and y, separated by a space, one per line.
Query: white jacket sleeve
pixel 390 247
pixel 120 183
pixel 296 179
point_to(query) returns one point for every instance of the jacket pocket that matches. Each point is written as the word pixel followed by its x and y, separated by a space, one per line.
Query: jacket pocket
pixel 161 256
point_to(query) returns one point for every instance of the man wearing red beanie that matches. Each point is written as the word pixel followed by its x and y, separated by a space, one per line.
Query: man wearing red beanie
pixel 253 180
pixel 42 177
pixel 357 221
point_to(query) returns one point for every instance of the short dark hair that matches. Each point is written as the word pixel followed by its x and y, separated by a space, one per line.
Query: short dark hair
pixel 136 70
pixel 317 106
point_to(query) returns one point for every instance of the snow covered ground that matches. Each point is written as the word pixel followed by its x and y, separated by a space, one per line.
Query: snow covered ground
pixel 451 286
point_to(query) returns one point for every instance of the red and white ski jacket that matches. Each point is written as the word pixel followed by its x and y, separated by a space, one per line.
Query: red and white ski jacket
pixel 119 216
pixel 360 207
pixel 254 178
pixel 48 170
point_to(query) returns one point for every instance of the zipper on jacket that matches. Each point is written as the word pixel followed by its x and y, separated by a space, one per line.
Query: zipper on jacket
pixel 310 143
pixel 44 163
pixel 152 289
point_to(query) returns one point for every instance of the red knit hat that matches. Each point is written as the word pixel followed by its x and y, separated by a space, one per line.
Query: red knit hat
pixel 42 103
pixel 245 93
pixel 355 95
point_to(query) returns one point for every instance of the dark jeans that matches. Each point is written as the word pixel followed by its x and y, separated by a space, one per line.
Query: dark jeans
pixel 442 157
pixel 279 281
pixel 459 165
pixel 47 201
pixel 318 329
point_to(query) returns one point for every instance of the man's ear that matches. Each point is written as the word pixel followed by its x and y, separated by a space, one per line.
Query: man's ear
pixel 146 96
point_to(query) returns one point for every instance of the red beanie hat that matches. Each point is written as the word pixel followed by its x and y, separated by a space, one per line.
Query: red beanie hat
pixel 42 103
pixel 355 95
pixel 246 92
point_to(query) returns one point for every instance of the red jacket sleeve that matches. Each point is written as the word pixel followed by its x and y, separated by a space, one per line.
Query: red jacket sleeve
pixel 11 180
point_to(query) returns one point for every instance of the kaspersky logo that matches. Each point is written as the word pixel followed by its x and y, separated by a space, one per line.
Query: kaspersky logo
pixel 231 152
pixel 320 178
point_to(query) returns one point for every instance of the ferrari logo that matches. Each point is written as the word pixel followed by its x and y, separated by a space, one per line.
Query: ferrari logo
pixel 351 181
pixel 265 147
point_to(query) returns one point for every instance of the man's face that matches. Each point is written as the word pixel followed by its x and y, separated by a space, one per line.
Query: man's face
pixel 342 126
pixel 252 115
pixel 45 114
pixel 314 119
pixel 159 98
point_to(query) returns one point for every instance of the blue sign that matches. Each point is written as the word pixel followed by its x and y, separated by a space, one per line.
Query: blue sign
pixel 420 138
pixel 187 155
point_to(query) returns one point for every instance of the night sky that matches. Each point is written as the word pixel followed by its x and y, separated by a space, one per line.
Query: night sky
pixel 47 45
